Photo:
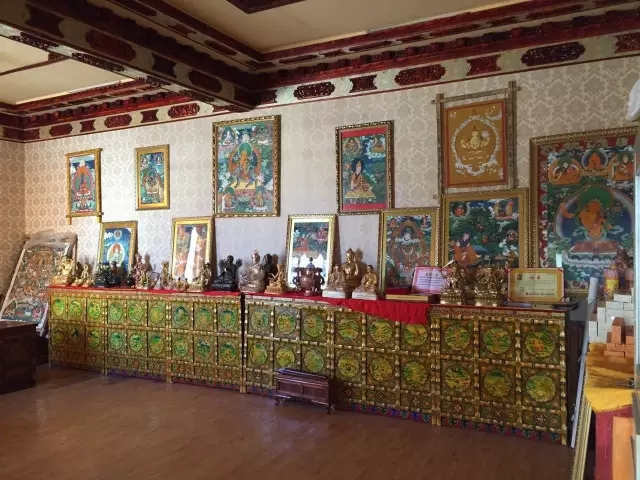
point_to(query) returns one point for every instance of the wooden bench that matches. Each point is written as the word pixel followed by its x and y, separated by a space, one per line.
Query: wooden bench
pixel 291 384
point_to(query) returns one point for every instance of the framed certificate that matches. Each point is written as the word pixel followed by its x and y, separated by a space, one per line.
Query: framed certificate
pixel 536 285
pixel 428 280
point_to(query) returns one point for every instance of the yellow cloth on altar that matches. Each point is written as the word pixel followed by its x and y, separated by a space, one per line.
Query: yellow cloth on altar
pixel 603 374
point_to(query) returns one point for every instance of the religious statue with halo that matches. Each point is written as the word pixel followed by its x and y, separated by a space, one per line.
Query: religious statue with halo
pixel 84 280
pixel 278 282
pixel 252 280
pixel 344 279
pixel 368 289
pixel 65 274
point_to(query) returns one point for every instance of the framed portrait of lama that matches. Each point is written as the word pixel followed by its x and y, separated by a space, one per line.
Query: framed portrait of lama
pixel 83 184
pixel 246 167
pixel 583 191
pixel 476 140
pixel 364 162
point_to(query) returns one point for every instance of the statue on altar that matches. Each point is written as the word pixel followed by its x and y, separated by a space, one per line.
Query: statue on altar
pixel 489 288
pixel 164 280
pixel 278 282
pixel 455 285
pixel 84 280
pixel 252 280
pixel 368 289
pixel 227 280
pixel 269 268
pixel 335 285
pixel 202 282
pixel 64 276
pixel 352 270
pixel 309 279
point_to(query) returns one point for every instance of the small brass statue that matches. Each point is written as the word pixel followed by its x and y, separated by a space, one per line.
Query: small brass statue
pixel 65 275
pixel 84 280
pixel 181 284
pixel 164 280
pixel 456 284
pixel 202 282
pixel 269 268
pixel 309 279
pixel 278 282
pixel 489 289
pixel 253 278
pixel 368 289
pixel 335 285
pixel 227 280
pixel 353 271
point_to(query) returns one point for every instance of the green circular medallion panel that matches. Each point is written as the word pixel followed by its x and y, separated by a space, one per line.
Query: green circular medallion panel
pixel 541 388
pixel 496 340
pixel 497 383
pixel 457 337
pixel 457 379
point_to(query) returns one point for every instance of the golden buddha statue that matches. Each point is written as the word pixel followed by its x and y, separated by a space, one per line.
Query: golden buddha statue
pixel 368 289
pixel 252 280
pixel 278 283
pixel 85 277
pixel 352 271
pixel 202 282
pixel 335 286
pixel 64 276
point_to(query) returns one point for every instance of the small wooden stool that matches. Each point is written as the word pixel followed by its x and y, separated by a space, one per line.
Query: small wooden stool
pixel 303 386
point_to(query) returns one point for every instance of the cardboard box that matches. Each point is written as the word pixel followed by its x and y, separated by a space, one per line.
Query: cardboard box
pixel 617 330
pixel 614 305
pixel 608 353
pixel 629 306
pixel 629 348
pixel 613 313
pixel 619 347
pixel 622 297
pixel 629 316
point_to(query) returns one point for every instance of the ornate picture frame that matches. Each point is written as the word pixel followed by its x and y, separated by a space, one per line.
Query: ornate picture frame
pixel 118 242
pixel 153 178
pixel 246 167
pixel 364 166
pixel 407 238
pixel 191 246
pixel 83 184
pixel 310 237
pixel 583 193
pixel 477 140
pixel 504 218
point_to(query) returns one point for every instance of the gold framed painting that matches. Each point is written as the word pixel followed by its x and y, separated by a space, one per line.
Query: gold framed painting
pixel 153 178
pixel 364 165
pixel 310 238
pixel 246 167
pixel 407 238
pixel 118 243
pixel 486 227
pixel 476 140
pixel 191 244
pixel 83 184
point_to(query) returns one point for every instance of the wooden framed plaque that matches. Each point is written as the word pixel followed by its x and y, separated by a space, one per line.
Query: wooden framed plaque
pixel 536 285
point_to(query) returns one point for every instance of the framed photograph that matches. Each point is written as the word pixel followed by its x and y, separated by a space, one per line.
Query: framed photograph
pixel 582 192
pixel 190 246
pixel 476 140
pixel 486 227
pixel 310 238
pixel 364 162
pixel 83 184
pixel 118 243
pixel 535 285
pixel 408 238
pixel 246 167
pixel 152 178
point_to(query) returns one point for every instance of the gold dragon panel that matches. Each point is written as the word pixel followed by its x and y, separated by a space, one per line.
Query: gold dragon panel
pixel 458 378
pixel 381 333
pixel 286 355
pixel 182 347
pixel 348 329
pixel 157 314
pixel 204 317
pixel 381 370
pixel 116 312
pixel 314 359
pixel 117 341
pixel 456 337
pixel 58 334
pixel 259 319
pixel 543 388
pixel 181 315
pixel 229 318
pixel 414 337
pixel 497 340
pixel 286 323
pixel 58 308
pixel 95 340
pixel 259 354
pixel 348 365
pixel 415 373
pixel 229 352
pixel 541 343
pixel 76 308
pixel 156 344
pixel 314 325
pixel 137 343
pixel 498 383
pixel 95 310
pixel 137 313
pixel 204 348
pixel 76 337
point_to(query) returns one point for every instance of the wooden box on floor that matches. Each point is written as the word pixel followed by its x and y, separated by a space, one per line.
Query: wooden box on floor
pixel 17 356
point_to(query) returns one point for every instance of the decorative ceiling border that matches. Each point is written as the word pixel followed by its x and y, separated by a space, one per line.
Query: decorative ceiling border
pixel 173 107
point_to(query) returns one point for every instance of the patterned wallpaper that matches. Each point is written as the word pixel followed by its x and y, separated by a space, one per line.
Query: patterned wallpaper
pixel 12 219
pixel 552 101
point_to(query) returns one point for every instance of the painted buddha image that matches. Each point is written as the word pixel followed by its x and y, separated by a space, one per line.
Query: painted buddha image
pixel 227 137
pixel 244 166
pixel 621 167
pixel 475 148
pixel 564 171
pixel 82 186
pixel 408 248
pixel 115 253
pixel 152 186
pixel 358 186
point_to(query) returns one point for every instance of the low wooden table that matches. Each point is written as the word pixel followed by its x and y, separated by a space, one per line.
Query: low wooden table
pixel 303 386
pixel 17 356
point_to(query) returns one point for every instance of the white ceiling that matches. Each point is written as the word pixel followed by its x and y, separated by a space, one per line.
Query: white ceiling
pixel 312 21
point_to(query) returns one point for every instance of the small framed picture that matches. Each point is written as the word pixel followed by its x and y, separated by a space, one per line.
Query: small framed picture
pixel 152 178
pixel 83 184
pixel 190 246
pixel 118 244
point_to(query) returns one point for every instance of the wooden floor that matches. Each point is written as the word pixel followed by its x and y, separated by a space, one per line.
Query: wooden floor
pixel 76 425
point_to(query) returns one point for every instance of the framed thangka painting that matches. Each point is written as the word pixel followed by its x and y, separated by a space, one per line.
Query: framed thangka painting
pixel 246 167
pixel 583 194
pixel 118 243
pixel 486 227
pixel 364 162
pixel 152 178
pixel 310 239
pixel 83 184
pixel 408 239
pixel 190 246
pixel 476 140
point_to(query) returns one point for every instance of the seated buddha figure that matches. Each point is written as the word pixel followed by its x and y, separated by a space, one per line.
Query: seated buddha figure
pixel 335 283
pixel 352 271
pixel 368 289
pixel 252 280
pixel 358 185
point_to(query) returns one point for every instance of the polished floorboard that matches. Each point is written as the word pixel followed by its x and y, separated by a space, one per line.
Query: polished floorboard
pixel 79 425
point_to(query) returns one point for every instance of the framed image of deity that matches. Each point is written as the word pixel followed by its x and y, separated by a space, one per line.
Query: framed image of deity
pixel 476 140
pixel 310 238
pixel 486 227
pixel 408 238
pixel 190 246
pixel 364 164
pixel 583 193
pixel 83 184
pixel 118 243
pixel 153 178
pixel 246 167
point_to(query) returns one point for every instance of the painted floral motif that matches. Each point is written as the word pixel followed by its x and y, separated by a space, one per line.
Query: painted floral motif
pixel 497 383
pixel 457 337
pixel 313 361
pixel 285 357
pixel 541 388
pixel 313 325
pixel 496 340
